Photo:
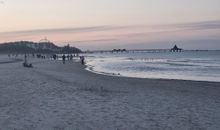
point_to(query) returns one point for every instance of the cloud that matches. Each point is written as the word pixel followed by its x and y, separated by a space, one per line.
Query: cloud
pixel 2 2
pixel 67 30
pixel 203 25
pixel 89 41
pixel 173 28
pixel 95 40
pixel 106 34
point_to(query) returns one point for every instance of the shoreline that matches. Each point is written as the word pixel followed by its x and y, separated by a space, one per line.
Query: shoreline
pixel 185 67
pixel 52 95
pixel 90 69
pixel 120 76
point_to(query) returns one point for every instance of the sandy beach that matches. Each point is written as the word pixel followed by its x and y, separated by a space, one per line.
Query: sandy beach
pixel 53 96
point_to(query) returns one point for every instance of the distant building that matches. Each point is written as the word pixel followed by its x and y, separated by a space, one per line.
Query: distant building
pixel 119 50
pixel 176 49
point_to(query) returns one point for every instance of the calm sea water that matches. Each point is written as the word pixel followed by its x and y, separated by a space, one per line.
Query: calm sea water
pixel 187 65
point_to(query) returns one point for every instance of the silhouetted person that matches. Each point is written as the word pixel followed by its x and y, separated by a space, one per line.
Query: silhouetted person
pixel 25 59
pixel 68 57
pixel 54 56
pixel 64 59
pixel 71 57
pixel 82 58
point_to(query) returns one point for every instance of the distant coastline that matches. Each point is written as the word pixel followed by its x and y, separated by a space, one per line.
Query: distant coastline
pixel 35 47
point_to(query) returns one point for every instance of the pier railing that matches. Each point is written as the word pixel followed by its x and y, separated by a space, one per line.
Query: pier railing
pixel 128 51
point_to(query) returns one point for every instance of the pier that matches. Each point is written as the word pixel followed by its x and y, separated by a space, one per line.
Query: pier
pixel 128 51
pixel 176 49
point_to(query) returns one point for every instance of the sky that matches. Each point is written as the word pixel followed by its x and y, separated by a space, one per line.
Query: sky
pixel 108 24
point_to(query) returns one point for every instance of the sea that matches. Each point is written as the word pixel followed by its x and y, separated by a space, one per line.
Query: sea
pixel 185 65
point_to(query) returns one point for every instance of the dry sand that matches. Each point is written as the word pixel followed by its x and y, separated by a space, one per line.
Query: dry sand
pixel 53 96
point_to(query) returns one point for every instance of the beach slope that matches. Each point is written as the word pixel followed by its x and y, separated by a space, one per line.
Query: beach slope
pixel 53 96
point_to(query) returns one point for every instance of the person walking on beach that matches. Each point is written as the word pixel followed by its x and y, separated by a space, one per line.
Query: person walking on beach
pixel 68 57
pixel 71 57
pixel 82 58
pixel 64 58
pixel 54 57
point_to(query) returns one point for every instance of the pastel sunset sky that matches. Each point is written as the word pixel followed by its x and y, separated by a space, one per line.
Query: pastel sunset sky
pixel 108 24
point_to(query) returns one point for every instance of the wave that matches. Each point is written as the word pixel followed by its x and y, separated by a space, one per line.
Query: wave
pixel 163 65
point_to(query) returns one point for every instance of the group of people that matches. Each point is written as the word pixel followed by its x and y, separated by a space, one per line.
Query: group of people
pixel 70 57
pixel 54 57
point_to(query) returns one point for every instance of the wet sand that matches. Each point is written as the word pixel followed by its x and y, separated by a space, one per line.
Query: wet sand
pixel 53 96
